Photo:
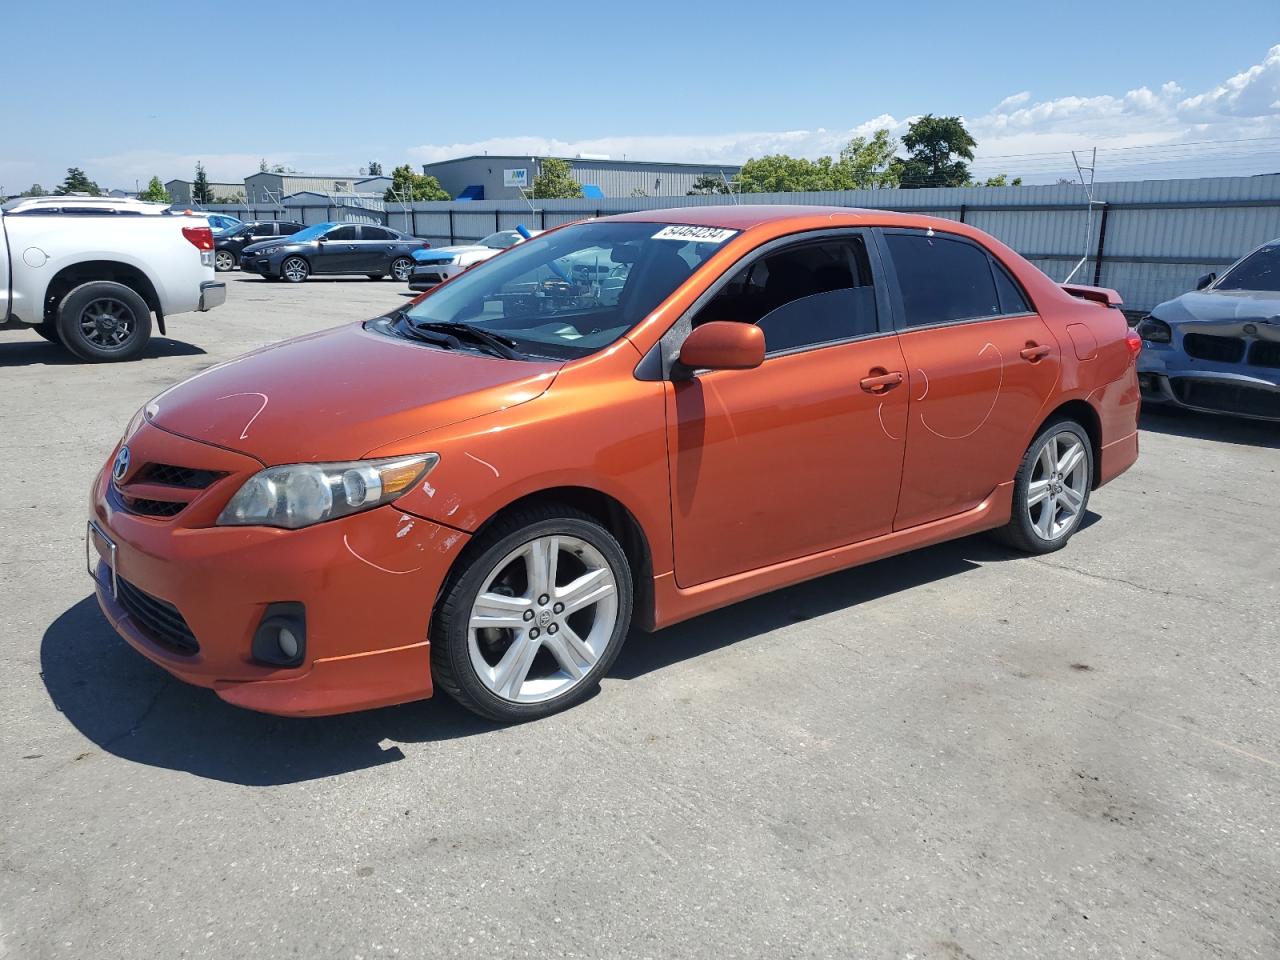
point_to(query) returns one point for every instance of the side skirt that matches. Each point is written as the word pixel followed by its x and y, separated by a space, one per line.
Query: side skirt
pixel 673 604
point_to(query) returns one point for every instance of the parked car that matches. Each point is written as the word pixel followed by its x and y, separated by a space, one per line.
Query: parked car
pixel 481 491
pixel 84 205
pixel 229 245
pixel 91 279
pixel 1217 349
pixel 334 248
pixel 434 266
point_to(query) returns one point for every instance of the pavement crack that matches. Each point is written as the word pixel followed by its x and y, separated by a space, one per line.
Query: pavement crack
pixel 1129 583
pixel 161 687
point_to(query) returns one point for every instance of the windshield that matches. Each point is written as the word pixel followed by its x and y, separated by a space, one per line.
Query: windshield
pixel 310 233
pixel 500 241
pixel 1258 271
pixel 568 293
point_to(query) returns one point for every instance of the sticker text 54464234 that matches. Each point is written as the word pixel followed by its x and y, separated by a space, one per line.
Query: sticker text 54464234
pixel 687 232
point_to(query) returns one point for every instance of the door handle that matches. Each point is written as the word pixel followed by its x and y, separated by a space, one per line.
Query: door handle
pixel 880 382
pixel 1033 352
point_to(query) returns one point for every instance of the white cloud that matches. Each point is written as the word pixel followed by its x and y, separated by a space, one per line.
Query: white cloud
pixel 1244 106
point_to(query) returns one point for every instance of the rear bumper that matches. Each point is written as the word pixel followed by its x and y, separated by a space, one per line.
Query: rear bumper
pixel 213 293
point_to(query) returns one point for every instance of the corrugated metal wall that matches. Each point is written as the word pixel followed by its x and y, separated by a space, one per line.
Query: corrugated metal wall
pixel 1157 236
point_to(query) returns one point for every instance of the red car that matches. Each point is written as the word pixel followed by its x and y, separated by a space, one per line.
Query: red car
pixel 626 421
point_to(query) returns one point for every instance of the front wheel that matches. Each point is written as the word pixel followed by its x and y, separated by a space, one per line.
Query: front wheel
pixel 402 268
pixel 533 617
pixel 223 261
pixel 294 269
pixel 1051 489
pixel 102 320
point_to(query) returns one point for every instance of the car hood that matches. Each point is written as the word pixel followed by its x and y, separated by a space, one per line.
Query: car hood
pixel 1225 312
pixel 263 244
pixel 340 393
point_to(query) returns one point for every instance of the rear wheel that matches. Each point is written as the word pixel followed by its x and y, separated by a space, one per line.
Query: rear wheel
pixel 401 268
pixel 101 321
pixel 295 269
pixel 534 616
pixel 223 260
pixel 1051 489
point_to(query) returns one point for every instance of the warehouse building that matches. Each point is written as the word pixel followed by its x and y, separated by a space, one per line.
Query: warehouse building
pixel 501 178
pixel 272 187
pixel 180 191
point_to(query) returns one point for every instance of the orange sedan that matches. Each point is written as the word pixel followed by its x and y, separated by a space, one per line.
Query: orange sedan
pixel 626 421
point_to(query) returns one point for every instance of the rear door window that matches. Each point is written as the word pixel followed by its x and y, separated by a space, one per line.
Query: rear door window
pixel 374 233
pixel 341 233
pixel 942 279
pixel 287 229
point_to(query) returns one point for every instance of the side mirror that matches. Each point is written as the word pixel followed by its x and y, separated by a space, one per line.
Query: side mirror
pixel 1204 281
pixel 723 345
pixel 321 239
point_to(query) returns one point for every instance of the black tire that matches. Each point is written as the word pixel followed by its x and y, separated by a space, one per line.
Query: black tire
pixel 1021 532
pixel 294 269
pixel 451 666
pixel 49 330
pixel 401 269
pixel 375 276
pixel 224 261
pixel 91 318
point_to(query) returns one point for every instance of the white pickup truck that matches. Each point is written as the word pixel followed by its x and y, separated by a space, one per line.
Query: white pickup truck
pixel 90 272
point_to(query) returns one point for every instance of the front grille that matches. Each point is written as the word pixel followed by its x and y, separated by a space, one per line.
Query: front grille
pixel 1265 353
pixel 157 618
pixel 154 508
pixel 1220 349
pixel 1227 397
pixel 189 478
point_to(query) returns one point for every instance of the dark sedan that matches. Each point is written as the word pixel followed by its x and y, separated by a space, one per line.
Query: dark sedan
pixel 1217 349
pixel 334 248
pixel 228 246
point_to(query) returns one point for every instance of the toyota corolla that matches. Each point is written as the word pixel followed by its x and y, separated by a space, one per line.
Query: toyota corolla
pixel 486 490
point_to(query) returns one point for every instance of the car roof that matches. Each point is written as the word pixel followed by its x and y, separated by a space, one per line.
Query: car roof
pixel 747 215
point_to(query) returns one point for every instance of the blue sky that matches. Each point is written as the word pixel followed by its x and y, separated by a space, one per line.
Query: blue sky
pixel 131 90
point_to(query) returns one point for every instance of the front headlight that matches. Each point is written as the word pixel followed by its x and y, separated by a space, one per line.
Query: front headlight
pixel 300 494
pixel 268 252
pixel 1154 330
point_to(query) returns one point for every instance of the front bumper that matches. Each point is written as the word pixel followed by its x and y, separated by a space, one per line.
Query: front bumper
pixel 427 276
pixel 1244 385
pixel 368 583
pixel 213 293
pixel 259 265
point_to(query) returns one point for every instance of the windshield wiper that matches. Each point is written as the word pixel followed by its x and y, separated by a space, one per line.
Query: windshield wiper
pixel 496 343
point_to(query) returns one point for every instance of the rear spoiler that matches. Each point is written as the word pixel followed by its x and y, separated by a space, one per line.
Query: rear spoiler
pixel 1103 295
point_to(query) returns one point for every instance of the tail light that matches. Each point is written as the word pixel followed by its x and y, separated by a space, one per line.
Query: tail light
pixel 1134 343
pixel 200 237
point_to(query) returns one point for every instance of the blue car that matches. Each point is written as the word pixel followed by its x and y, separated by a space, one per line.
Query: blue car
pixel 1217 349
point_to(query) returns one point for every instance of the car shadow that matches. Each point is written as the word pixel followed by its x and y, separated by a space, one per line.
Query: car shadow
pixel 1177 422
pixel 38 351
pixel 131 708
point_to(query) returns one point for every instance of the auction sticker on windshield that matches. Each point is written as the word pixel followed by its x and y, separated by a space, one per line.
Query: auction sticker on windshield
pixel 687 232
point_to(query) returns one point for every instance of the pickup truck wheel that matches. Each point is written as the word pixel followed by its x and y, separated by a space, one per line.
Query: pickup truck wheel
pixel 102 320
pixel 294 269
pixel 223 261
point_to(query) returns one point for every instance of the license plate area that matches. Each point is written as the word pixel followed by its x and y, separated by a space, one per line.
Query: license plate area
pixel 98 545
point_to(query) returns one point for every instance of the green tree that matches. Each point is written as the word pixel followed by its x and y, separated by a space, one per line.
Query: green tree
pixel 937 148
pixel 409 185
pixel 999 180
pixel 265 167
pixel 862 164
pixel 35 191
pixel 555 182
pixel 155 192
pixel 77 182
pixel 709 184
pixel 375 168
pixel 201 192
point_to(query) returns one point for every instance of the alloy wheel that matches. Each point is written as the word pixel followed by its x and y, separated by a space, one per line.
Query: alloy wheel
pixel 542 619
pixel 1058 486
pixel 401 268
pixel 108 323
pixel 224 261
pixel 294 269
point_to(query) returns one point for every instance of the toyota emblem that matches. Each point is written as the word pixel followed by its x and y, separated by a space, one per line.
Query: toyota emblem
pixel 121 465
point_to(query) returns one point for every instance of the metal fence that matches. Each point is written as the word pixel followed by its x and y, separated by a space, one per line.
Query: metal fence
pixel 1149 239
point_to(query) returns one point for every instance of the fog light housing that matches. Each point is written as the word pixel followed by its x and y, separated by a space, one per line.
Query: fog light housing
pixel 281 637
